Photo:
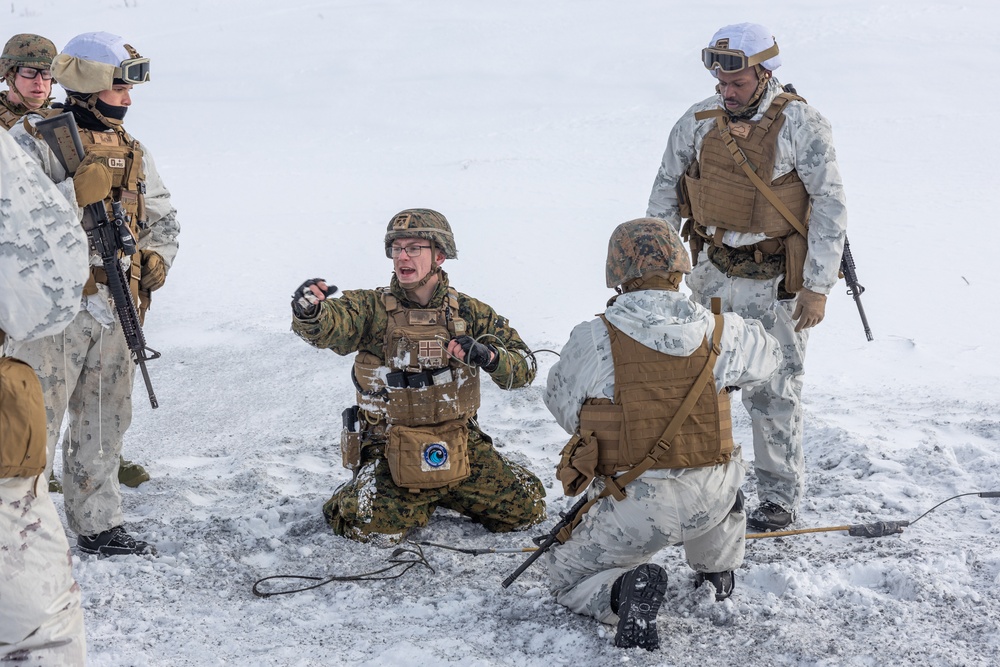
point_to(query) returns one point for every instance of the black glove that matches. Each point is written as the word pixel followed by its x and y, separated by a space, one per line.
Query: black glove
pixel 479 354
pixel 305 303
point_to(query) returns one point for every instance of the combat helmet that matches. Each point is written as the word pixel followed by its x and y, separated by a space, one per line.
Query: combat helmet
pixel 26 50
pixel 421 223
pixel 736 47
pixel 96 61
pixel 643 246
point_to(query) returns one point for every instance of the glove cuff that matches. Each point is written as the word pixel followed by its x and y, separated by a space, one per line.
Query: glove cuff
pixel 492 366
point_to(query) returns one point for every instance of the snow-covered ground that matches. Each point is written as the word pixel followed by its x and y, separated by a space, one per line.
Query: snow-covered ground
pixel 290 132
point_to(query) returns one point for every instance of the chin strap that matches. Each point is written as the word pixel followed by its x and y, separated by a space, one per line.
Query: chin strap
pixel 435 270
pixel 22 107
pixel 750 109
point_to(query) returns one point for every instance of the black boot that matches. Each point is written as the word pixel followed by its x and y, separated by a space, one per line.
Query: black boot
pixel 724 583
pixel 113 542
pixel 636 597
pixel 770 516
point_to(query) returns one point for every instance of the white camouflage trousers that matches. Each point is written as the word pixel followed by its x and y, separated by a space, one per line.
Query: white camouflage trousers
pixel 87 370
pixel 41 621
pixel 775 407
pixel 693 508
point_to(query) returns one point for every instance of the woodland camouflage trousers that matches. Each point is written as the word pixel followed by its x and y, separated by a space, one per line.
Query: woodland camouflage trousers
pixel 499 494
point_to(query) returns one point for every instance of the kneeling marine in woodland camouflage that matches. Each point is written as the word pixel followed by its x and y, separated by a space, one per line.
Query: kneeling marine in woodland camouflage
pixel 642 389
pixel 413 440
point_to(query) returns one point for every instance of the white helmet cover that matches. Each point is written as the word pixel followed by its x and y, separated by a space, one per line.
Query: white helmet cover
pixel 750 38
pixel 91 62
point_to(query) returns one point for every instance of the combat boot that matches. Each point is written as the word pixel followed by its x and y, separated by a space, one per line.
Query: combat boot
pixel 636 597
pixel 131 474
pixel 113 542
pixel 55 486
pixel 770 516
pixel 724 583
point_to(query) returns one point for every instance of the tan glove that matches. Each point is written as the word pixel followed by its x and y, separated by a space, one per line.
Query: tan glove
pixel 154 271
pixel 810 307
pixel 92 181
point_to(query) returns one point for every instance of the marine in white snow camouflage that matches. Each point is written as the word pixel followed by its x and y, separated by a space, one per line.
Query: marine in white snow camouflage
pixel 805 144
pixel 693 506
pixel 88 369
pixel 43 268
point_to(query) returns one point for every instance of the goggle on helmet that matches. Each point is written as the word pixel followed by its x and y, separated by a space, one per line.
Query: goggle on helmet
pixel 734 60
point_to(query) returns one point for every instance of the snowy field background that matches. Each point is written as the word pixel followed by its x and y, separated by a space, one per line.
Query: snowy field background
pixel 289 133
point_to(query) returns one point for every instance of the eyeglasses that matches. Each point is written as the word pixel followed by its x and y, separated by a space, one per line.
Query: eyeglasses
pixel 32 72
pixel 133 70
pixel 411 250
pixel 732 60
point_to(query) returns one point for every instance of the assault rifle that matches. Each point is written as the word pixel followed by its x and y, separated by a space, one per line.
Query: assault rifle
pixel 545 542
pixel 108 236
pixel 854 288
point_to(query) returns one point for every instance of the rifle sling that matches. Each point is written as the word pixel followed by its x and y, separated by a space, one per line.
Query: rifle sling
pixel 741 161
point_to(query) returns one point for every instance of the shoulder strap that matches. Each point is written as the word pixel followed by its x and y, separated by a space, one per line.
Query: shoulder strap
pixel 456 325
pixel 615 486
pixel 709 113
pixel 389 300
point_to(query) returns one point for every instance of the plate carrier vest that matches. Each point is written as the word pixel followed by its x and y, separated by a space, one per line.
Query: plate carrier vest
pixel 720 192
pixel 650 387
pixel 726 188
pixel 666 414
pixel 414 346
pixel 122 155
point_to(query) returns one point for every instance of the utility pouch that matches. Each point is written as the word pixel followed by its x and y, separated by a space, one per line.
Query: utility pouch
pixel 22 420
pixel 694 240
pixel 428 457
pixel 683 200
pixel 350 439
pixel 578 463
pixel 796 247
pixel 426 401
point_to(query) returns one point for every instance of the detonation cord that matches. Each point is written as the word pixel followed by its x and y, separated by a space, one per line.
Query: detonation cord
pixel 500 347
pixel 479 552
pixel 875 529
pixel 398 561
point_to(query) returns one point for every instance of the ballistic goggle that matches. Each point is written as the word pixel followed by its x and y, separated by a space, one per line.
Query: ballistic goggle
pixel 732 60
pixel 133 70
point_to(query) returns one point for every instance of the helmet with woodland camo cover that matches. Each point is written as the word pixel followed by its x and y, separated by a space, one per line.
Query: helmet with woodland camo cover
pixel 421 223
pixel 642 246
pixel 26 50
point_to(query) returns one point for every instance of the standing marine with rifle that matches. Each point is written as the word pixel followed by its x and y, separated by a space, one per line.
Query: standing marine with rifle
pixel 643 389
pixel 754 172
pixel 89 368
